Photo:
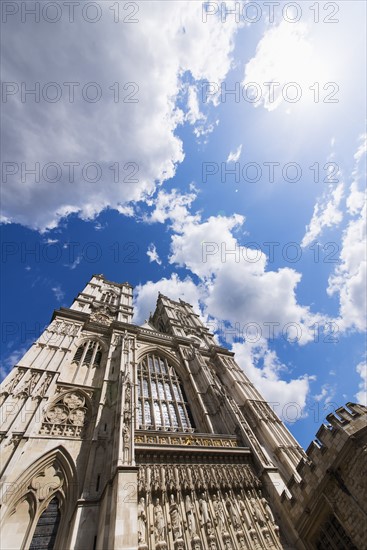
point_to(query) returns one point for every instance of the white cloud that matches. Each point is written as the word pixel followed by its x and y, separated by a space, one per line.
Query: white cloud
pixel 239 287
pixel 327 213
pixel 261 365
pixel 235 155
pixel 140 137
pixel 361 395
pixel 357 195
pixel 198 246
pixel 193 114
pixel 12 359
pixel 349 278
pixel 153 254
pixel 236 289
pixel 172 206
pixel 59 293
pixel 146 295
pixel 326 394
pixel 285 54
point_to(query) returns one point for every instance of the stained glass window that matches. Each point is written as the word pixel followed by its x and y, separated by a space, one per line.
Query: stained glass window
pixel 46 529
pixel 162 402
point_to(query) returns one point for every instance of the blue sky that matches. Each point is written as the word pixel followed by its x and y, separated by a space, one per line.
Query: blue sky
pixel 215 157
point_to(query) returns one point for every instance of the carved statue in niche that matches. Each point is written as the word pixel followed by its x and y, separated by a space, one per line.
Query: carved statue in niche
pixel 170 483
pixel 256 510
pixel 126 438
pixel 204 508
pixel 268 511
pixel 142 520
pixel 155 478
pixel 219 513
pixel 141 479
pixel 268 539
pixel 255 539
pixel 242 542
pixel 158 521
pixel 191 523
pixel 175 518
pixel 232 512
pixel 244 513
pixel 210 530
pixel 227 543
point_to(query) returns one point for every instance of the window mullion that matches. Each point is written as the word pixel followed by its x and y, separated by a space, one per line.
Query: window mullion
pixel 86 347
pixel 151 400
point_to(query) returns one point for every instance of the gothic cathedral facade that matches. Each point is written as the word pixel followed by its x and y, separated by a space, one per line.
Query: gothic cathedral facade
pixel 123 437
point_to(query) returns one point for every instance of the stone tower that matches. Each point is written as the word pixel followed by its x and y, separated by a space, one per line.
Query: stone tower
pixel 123 437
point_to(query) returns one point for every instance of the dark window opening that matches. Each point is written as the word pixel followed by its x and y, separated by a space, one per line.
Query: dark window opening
pixel 46 529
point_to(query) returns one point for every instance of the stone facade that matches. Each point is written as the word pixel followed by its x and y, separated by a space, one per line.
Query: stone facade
pixel 117 436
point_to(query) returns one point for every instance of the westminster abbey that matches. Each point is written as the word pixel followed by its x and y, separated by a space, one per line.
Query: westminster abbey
pixel 123 437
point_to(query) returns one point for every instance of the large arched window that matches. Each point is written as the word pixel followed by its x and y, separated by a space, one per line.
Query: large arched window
pixel 162 402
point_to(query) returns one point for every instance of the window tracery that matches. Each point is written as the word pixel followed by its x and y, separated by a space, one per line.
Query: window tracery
pixel 162 402
pixel 66 417
pixel 89 353
pixel 109 298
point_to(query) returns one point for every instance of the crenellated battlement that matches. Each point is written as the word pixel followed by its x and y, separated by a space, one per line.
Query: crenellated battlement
pixel 331 472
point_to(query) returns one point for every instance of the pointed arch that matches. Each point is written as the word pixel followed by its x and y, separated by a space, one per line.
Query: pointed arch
pixel 162 403
pixel 164 352
pixel 52 475
pixel 89 351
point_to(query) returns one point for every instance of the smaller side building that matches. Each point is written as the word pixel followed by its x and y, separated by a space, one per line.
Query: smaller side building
pixel 328 506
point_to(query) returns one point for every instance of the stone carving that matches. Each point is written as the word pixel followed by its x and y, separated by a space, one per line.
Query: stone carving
pixel 256 509
pixel 219 513
pixel 255 539
pixel 142 520
pixel 101 318
pixel 127 418
pixel 64 328
pixel 175 519
pixel 244 513
pixel 12 384
pixel 268 512
pixel 191 523
pixel 241 542
pixel 232 512
pixel 204 508
pixel 268 539
pixel 66 417
pixel 46 482
pixel 44 386
pixel 227 542
pixel 158 521
pixel 28 385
